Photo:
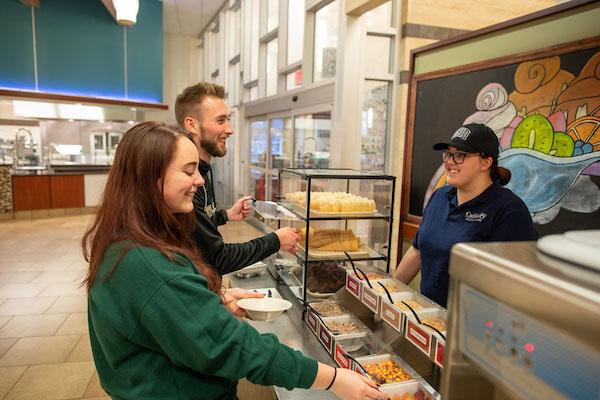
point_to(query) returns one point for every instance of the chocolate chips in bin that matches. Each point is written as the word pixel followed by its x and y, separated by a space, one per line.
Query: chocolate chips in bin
pixel 323 277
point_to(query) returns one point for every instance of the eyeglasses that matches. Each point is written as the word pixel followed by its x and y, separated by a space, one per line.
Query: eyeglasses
pixel 458 156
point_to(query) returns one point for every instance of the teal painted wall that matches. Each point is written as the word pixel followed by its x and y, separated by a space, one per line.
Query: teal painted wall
pixel 80 50
pixel 16 46
pixel 145 51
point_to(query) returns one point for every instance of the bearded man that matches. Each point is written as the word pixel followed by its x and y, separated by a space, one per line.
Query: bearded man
pixel 202 111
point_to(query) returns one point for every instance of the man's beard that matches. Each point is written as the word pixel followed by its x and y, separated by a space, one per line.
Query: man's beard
pixel 211 147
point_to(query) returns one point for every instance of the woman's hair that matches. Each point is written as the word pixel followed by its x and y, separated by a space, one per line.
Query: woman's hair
pixel 133 208
pixel 499 174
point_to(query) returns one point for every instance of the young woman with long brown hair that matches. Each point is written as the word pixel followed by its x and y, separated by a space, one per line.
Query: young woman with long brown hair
pixel 160 325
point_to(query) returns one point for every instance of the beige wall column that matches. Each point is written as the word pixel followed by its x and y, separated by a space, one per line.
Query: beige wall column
pixel 346 116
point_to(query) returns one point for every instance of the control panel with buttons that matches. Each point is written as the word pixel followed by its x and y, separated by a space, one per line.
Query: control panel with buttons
pixel 525 356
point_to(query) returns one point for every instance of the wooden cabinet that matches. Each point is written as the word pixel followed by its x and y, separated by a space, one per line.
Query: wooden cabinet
pixel 34 192
pixel 31 192
pixel 66 191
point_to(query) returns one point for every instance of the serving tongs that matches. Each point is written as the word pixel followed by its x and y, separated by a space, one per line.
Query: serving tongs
pixel 389 296
pixel 378 380
pixel 357 270
pixel 272 210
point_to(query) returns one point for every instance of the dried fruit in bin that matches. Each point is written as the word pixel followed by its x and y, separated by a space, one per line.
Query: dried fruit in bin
pixel 413 304
pixel 372 276
pixel 385 372
pixel 437 323
pixel 342 328
pixel 327 308
pixel 391 287
pixel 418 395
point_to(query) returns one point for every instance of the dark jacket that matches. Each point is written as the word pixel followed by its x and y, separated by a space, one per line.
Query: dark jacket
pixel 224 257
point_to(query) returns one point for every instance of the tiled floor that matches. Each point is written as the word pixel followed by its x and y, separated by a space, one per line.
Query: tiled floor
pixel 44 344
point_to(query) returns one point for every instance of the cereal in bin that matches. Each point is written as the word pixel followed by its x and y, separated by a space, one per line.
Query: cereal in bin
pixel 385 372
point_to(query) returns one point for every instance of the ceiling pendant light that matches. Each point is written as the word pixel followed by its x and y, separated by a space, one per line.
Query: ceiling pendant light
pixel 126 11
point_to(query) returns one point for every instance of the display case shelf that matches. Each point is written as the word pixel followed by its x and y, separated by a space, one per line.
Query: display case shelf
pixel 370 255
pixel 338 211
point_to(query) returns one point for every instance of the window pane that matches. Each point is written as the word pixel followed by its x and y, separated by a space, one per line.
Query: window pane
pixel 259 137
pixel 271 83
pixel 281 143
pixel 374 125
pixel 312 133
pixel 377 57
pixel 379 17
pixel 234 85
pixel 254 41
pixel 293 80
pixel 295 30
pixel 272 14
pixel 237 20
pixel 257 184
pixel 326 35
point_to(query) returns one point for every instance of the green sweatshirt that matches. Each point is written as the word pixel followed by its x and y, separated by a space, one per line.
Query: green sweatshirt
pixel 158 332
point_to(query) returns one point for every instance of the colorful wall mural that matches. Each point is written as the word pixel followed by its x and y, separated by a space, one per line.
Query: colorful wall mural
pixel 546 114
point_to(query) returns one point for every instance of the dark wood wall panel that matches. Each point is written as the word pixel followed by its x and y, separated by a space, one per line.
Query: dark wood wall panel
pixel 31 192
pixel 66 191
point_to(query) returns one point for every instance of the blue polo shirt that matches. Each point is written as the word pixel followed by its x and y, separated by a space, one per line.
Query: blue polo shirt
pixel 497 214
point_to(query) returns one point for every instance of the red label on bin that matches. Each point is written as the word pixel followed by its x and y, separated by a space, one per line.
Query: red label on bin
pixel 311 320
pixel 352 285
pixel 370 300
pixel 439 353
pixel 391 315
pixel 340 357
pixel 418 336
pixel 325 339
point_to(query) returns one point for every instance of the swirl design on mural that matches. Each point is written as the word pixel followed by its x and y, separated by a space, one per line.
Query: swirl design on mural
pixel 494 108
pixel 538 84
pixel 549 134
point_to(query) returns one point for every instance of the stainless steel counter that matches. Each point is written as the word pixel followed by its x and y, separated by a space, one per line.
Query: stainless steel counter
pixel 292 332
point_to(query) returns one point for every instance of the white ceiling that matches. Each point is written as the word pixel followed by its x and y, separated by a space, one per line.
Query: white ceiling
pixel 189 17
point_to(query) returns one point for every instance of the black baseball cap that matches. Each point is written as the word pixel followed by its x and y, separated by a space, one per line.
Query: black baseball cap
pixel 473 138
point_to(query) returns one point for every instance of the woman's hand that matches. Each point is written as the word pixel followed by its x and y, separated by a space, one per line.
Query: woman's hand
pixel 351 385
pixel 229 298
pixel 347 384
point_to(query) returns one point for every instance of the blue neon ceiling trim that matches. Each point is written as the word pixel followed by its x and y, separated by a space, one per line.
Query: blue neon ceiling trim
pixel 83 94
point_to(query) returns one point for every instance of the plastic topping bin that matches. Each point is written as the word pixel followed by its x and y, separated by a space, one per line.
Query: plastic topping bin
pixel 438 343
pixel 356 347
pixel 354 283
pixel 371 297
pixel 386 369
pixel 420 335
pixel 328 334
pixel 407 391
pixel 328 308
pixel 394 314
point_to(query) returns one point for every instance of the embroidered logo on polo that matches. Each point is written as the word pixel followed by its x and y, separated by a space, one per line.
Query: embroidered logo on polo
pixel 474 217
pixel 462 133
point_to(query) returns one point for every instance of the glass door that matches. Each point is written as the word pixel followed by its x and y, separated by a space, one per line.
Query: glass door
pixel 282 151
pixel 312 134
pixel 259 149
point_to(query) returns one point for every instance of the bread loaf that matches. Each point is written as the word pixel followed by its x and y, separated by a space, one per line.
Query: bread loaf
pixel 331 239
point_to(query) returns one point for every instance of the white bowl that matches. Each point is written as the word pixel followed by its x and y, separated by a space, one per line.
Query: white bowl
pixel 264 309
